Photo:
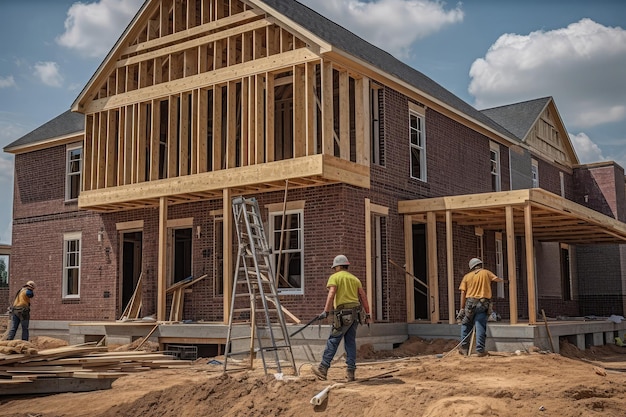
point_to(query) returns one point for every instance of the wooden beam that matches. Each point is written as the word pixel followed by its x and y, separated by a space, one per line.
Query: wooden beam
pixel 450 267
pixel 270 116
pixel 408 261
pixel 344 115
pixel 310 91
pixel 530 265
pixel 299 111
pixel 369 288
pixel 162 259
pixel 328 133
pixel 227 245
pixel 511 265
pixel 433 270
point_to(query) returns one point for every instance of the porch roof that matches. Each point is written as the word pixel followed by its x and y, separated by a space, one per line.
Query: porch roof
pixel 553 218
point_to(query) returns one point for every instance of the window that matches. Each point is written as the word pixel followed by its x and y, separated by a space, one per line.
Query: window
pixel 287 241
pixel 499 265
pixel 494 149
pixel 562 181
pixel 418 144
pixel 535 173
pixel 375 119
pixel 71 265
pixel 72 171
pixel 566 277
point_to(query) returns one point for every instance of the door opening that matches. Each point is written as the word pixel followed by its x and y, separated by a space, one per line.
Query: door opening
pixel 131 265
pixel 420 270
pixel 181 257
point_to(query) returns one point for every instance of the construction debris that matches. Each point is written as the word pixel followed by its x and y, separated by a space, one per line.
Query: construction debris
pixel 24 370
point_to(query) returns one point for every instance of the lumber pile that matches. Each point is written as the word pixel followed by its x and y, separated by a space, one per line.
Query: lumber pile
pixel 87 367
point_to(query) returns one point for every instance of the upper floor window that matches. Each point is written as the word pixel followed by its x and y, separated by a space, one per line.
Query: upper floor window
pixel 417 135
pixel 287 243
pixel 73 169
pixel 378 155
pixel 535 173
pixel 494 151
pixel 71 265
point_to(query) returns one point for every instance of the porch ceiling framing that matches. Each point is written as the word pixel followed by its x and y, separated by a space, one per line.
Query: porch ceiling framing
pixel 536 214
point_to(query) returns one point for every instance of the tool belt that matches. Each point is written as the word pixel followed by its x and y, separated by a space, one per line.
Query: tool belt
pixel 21 312
pixel 344 316
pixel 473 306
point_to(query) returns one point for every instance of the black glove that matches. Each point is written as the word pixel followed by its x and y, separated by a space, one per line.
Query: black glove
pixel 323 315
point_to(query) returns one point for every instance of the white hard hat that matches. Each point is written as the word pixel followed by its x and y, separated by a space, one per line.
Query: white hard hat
pixel 30 284
pixel 340 260
pixel 474 262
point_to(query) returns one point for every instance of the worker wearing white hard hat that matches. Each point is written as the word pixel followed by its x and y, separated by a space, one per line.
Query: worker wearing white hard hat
pixel 475 305
pixel 20 311
pixel 346 300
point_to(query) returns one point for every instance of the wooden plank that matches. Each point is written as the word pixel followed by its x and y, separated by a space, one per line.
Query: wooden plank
pixel 327 109
pixel 433 270
pixel 162 259
pixel 344 115
pixel 450 267
pixel 511 264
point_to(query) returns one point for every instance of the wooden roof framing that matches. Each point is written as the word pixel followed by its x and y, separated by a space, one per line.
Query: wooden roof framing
pixel 554 218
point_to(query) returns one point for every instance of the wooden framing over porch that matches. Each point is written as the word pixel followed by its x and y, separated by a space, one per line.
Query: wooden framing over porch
pixel 536 214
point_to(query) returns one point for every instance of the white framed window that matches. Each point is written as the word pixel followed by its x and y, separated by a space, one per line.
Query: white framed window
pixel 417 139
pixel 71 265
pixel 494 152
pixel 73 169
pixel 287 243
pixel 499 265
pixel 535 173
pixel 375 120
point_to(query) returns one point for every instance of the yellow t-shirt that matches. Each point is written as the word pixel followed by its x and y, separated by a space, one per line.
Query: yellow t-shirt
pixel 347 287
pixel 477 284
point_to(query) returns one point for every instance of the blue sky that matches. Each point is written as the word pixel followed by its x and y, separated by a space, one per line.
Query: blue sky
pixel 488 52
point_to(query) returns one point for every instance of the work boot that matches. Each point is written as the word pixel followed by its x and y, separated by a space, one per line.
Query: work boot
pixel 320 372
pixel 463 351
pixel 481 354
pixel 350 375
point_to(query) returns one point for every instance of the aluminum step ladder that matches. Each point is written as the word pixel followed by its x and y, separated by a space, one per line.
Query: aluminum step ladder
pixel 255 327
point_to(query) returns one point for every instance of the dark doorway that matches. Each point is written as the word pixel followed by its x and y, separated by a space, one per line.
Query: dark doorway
pixel 182 254
pixel 131 265
pixel 420 270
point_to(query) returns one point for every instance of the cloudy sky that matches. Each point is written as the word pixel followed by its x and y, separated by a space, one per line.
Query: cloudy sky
pixel 487 52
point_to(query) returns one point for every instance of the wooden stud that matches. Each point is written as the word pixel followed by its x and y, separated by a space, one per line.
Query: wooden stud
pixel 184 130
pixel 328 131
pixel 310 97
pixel 154 140
pixel 227 245
pixel 408 260
pixel 269 117
pixel 450 264
pixel 231 127
pixel 259 130
pixel 173 138
pixel 202 139
pixel 433 270
pixel 344 116
pixel 162 259
pixel 511 263
pixel 299 111
pixel 218 128
pixel 530 264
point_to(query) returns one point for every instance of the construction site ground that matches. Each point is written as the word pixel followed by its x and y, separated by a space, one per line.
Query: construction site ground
pixel 419 378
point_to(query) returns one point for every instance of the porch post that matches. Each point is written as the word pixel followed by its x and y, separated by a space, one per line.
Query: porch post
pixel 368 256
pixel 162 259
pixel 408 261
pixel 450 264
pixel 228 245
pixel 512 270
pixel 433 274
pixel 530 264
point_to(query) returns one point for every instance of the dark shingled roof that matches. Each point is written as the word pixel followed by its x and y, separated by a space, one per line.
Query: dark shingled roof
pixel 332 33
pixel 66 124
pixel 347 41
pixel 518 118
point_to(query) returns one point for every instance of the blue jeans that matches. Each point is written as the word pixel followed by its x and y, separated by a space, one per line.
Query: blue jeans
pixel 332 344
pixel 480 321
pixel 15 323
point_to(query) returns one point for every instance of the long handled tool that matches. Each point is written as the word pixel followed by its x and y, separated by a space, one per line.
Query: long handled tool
pixel 305 326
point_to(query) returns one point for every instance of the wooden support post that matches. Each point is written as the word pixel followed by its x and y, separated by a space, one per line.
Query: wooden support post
pixel 530 264
pixel 450 263
pixel 433 273
pixel 162 259
pixel 512 270
pixel 228 252
pixel 408 260
pixel 369 289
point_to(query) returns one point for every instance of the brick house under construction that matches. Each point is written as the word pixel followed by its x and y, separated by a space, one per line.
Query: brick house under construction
pixel 200 101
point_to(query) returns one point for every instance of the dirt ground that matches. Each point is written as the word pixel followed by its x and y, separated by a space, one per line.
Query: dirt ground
pixel 424 378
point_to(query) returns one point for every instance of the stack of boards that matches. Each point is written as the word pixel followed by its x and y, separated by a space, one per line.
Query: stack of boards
pixel 76 368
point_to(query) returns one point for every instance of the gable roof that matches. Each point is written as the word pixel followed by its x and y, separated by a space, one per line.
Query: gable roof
pixel 66 124
pixel 518 118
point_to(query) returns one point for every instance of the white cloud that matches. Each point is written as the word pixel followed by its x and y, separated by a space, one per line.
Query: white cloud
pixel 581 66
pixel 586 149
pixel 6 82
pixel 92 29
pixel 48 73
pixel 6 169
pixel 392 25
